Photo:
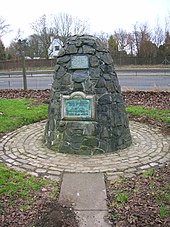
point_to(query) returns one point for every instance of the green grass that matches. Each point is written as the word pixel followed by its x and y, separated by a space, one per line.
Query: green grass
pixel 139 111
pixel 122 198
pixel 12 183
pixel 15 113
pixel 163 210
pixel 16 185
pixel 149 173
pixel 162 198
pixel 120 195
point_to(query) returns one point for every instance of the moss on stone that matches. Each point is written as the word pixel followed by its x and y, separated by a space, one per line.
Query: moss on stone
pixel 90 142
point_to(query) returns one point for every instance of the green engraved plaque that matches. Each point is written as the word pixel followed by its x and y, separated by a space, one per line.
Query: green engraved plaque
pixel 77 108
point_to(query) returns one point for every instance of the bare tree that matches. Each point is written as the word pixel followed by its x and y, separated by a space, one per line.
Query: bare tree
pixel 122 39
pixel 19 35
pixel 12 51
pixel 34 48
pixel 131 43
pixel 103 36
pixel 145 32
pixel 65 25
pixel 141 35
pixel 4 28
pixel 136 35
pixel 158 35
pixel 43 33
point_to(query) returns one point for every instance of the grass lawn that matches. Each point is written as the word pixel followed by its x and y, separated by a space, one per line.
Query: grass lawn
pixel 15 113
pixel 139 111
pixel 19 187
pixel 21 190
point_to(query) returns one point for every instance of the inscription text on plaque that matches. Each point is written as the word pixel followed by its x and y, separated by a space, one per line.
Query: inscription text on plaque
pixel 77 107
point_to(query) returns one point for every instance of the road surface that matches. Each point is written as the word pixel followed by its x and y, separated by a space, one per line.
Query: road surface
pixel 129 79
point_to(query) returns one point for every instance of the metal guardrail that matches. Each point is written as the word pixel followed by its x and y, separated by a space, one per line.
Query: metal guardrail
pixel 29 72
pixel 125 71
pixel 128 80
pixel 162 71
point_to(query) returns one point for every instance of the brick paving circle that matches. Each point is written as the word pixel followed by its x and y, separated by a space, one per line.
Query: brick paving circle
pixel 24 150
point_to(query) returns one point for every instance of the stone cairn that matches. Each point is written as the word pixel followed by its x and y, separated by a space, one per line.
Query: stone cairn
pixel 86 113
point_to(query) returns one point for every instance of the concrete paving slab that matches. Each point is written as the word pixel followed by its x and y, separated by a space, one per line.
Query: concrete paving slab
pixel 93 218
pixel 87 193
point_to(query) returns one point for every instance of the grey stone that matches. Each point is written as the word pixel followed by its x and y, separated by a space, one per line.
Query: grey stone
pixel 94 73
pixel 108 69
pixel 71 49
pixel 100 46
pixel 110 86
pixel 80 50
pixel 61 52
pixel 94 61
pixel 107 77
pixel 100 90
pixel 91 142
pixel 80 76
pixel 65 148
pixel 100 83
pixel 78 43
pixel 107 58
pixel 56 67
pixel 78 86
pixel 63 59
pixel 76 138
pixel 60 72
pixel 85 66
pixel 86 40
pixel 104 145
pixel 105 99
pixel 88 49
pixel 66 80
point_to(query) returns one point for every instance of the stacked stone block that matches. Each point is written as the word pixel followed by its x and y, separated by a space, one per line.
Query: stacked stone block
pixel 109 130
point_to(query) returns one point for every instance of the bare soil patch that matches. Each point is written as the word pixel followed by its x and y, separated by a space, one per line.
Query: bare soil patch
pixel 141 201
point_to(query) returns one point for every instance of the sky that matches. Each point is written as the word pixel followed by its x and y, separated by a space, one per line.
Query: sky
pixel 103 15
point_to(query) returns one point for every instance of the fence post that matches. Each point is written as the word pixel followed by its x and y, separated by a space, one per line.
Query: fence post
pixel 24 72
pixel 22 46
